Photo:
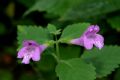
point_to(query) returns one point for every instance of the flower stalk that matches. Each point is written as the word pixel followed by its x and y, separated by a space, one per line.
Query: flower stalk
pixel 57 47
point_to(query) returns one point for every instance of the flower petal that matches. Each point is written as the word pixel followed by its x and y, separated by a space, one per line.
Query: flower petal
pixel 77 41
pixel 36 54
pixel 93 29
pixel 42 47
pixel 29 42
pixel 21 52
pixel 88 43
pixel 99 41
pixel 26 59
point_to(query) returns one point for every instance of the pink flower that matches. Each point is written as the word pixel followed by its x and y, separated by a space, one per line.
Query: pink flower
pixel 30 50
pixel 90 38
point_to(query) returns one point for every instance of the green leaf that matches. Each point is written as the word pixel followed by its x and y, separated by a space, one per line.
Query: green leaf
pixel 75 69
pixel 73 31
pixel 105 60
pixel 47 63
pixel 91 9
pixel 35 33
pixel 115 22
pixel 76 9
pixel 69 51
pixel 60 8
pixel 51 28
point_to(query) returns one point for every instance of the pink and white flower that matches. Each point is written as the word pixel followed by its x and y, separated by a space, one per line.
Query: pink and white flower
pixel 90 38
pixel 30 50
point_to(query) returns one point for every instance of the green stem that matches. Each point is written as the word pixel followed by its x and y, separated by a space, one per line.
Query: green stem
pixel 55 57
pixel 57 47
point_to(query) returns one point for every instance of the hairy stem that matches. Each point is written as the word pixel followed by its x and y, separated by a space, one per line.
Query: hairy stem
pixel 57 47
pixel 55 57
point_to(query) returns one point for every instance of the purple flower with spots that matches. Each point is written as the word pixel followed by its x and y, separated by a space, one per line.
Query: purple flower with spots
pixel 90 38
pixel 30 50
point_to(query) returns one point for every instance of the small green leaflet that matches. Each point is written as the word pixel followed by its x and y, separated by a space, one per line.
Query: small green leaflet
pixel 52 29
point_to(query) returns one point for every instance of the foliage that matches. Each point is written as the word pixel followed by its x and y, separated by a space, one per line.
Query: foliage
pixel 69 64
pixel 69 51
pixel 69 9
pixel 114 22
pixel 65 69
pixel 55 23
pixel 73 31
pixel 105 60
pixel 73 70
pixel 38 34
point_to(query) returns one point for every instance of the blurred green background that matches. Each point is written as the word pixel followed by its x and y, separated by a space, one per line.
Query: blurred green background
pixel 105 13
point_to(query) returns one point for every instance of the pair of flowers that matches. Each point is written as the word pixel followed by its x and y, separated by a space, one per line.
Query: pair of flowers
pixel 32 50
